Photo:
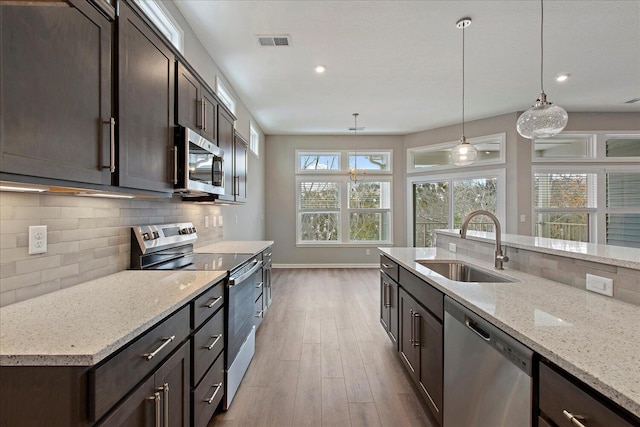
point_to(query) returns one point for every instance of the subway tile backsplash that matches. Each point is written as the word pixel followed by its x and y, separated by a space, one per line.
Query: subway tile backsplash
pixel 570 271
pixel 87 237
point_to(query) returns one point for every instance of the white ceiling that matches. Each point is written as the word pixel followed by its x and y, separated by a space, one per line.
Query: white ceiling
pixel 399 63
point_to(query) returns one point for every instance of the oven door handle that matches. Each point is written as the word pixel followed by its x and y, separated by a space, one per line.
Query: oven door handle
pixel 233 281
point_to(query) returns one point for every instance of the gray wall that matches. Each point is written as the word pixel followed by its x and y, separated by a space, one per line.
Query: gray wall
pixel 281 197
pixel 250 219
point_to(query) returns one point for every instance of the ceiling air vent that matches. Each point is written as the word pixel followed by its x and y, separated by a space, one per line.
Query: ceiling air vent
pixel 270 40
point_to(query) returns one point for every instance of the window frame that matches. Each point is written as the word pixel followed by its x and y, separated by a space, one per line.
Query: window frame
pixel 411 153
pixel 164 21
pixel 596 150
pixel 341 176
pixel 501 191
pixel 224 94
pixel 254 140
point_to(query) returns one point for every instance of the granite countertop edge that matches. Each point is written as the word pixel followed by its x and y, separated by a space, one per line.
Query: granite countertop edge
pixel 625 394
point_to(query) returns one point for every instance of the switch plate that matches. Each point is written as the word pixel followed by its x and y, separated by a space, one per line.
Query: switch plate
pixel 220 221
pixel 453 247
pixel 37 239
pixel 367 251
pixel 601 285
pixel 206 221
pixel 523 218
pixel 215 221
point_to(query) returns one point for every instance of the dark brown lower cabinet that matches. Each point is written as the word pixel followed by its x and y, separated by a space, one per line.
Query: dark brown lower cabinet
pixel 389 306
pixel 421 347
pixel 163 399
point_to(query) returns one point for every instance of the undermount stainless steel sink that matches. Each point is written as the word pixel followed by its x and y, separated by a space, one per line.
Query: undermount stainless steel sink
pixel 462 272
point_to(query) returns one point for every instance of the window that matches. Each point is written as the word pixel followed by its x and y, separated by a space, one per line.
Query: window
pixel 436 157
pixel 254 140
pixel 225 95
pixel 443 202
pixel 589 147
pixel 163 20
pixel 623 209
pixel 332 209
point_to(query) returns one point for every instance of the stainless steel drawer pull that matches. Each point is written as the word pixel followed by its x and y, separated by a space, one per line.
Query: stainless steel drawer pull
pixel 214 302
pixel 213 344
pixel 153 354
pixel 259 285
pixel 213 396
pixel 385 285
pixel 411 331
pixel 259 313
pixel 416 329
pixel 174 150
pixel 575 419
pixel 269 254
pixel 158 410
pixel 165 392
pixel 386 266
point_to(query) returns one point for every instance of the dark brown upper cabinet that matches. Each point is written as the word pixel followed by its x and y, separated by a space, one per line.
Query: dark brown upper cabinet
pixel 56 86
pixel 196 106
pixel 240 160
pixel 226 143
pixel 146 83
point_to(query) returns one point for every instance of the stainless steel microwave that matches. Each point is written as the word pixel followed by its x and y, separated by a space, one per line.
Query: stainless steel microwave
pixel 198 164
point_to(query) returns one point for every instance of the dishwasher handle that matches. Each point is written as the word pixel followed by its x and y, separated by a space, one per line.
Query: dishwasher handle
pixel 475 327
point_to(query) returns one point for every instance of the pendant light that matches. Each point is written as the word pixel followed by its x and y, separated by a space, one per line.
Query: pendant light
pixel 543 119
pixel 465 153
pixel 353 172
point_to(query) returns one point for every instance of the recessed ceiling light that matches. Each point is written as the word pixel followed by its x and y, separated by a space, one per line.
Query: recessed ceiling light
pixel 320 69
pixel 562 77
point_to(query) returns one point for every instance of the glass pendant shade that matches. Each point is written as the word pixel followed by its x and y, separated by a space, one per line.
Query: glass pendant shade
pixel 542 120
pixel 463 154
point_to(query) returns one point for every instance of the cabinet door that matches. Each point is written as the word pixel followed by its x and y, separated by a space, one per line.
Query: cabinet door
pixel 172 381
pixel 384 301
pixel 146 95
pixel 143 408
pixel 225 142
pixel 430 342
pixel 240 169
pixel 210 114
pixel 408 348
pixel 55 80
pixel 188 105
pixel 392 301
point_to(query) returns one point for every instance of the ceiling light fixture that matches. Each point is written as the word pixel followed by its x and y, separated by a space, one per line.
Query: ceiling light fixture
pixel 463 154
pixel 353 172
pixel 320 69
pixel 543 119
pixel 562 78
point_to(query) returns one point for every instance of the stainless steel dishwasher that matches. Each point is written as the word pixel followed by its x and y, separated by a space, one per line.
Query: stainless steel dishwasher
pixel 487 373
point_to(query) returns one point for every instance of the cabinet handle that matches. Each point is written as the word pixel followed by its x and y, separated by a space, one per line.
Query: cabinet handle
pixel 204 114
pixel 112 145
pixel 388 294
pixel 200 114
pixel 156 399
pixel 213 344
pixel 416 330
pixel 386 266
pixel 214 302
pixel 259 313
pixel 165 404
pixel 259 285
pixel 384 294
pixel 411 339
pixel 575 419
pixel 174 150
pixel 236 186
pixel 213 396
pixel 269 254
pixel 153 354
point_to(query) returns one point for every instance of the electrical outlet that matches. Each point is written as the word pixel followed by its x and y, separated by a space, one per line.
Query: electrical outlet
pixel 601 285
pixel 453 247
pixel 215 221
pixel 37 239
pixel 367 251
pixel 523 218
pixel 206 221
pixel 220 221
pixel 236 219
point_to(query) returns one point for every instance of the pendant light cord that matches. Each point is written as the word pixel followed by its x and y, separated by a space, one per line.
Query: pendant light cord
pixel 541 44
pixel 463 29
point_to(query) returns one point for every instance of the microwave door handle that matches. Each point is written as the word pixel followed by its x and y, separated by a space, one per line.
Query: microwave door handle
pixel 175 164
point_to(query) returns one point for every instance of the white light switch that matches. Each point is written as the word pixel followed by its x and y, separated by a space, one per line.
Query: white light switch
pixel 453 247
pixel 37 239
pixel 523 218
pixel 206 221
pixel 601 285
pixel 215 221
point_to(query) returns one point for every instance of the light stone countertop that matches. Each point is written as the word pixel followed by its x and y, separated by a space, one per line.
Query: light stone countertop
pixel 607 254
pixel 235 247
pixel 83 324
pixel 593 337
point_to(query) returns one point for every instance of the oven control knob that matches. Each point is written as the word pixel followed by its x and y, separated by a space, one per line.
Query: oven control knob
pixel 193 230
pixel 156 235
pixel 184 231
pixel 146 236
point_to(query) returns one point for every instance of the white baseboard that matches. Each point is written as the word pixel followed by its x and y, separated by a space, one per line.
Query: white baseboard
pixel 326 265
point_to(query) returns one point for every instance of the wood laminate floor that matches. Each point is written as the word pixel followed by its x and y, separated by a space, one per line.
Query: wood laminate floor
pixel 323 359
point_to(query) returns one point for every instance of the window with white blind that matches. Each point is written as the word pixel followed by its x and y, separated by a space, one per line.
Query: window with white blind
pixel 594 205
pixel 163 20
pixel 332 209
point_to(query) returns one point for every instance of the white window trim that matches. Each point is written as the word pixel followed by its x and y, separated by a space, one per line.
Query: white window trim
pixel 343 162
pixel 166 23
pixel 254 140
pixel 500 174
pixel 501 137
pixel 225 96
pixel 596 150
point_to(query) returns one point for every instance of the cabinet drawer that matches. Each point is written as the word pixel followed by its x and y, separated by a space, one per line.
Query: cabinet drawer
pixel 207 304
pixel 208 394
pixel 257 291
pixel 112 380
pixel 389 267
pixel 559 394
pixel 423 292
pixel 267 254
pixel 208 342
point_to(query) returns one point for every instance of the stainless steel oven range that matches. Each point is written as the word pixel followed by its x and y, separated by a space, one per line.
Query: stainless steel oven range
pixel 170 247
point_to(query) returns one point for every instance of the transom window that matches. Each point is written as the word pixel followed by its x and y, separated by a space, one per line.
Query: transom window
pixel 334 210
pixel 163 20
pixel 225 95
pixel 254 140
